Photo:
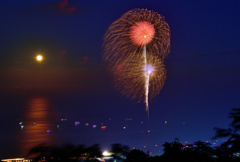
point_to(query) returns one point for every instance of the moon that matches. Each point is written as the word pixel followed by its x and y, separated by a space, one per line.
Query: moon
pixel 39 58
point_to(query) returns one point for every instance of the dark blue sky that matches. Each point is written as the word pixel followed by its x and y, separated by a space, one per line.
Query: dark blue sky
pixel 203 65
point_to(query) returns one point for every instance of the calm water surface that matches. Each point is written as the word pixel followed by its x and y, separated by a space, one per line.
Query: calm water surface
pixel 26 122
pixel 38 124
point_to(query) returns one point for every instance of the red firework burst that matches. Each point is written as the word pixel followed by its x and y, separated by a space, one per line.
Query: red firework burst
pixel 142 33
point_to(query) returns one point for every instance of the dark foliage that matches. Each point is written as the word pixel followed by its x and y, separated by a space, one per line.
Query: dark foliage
pixel 175 151
pixel 120 149
pixel 137 156
pixel 232 144
pixel 65 153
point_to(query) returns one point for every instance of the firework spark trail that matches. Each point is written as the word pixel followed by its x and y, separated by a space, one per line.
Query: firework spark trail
pixel 146 73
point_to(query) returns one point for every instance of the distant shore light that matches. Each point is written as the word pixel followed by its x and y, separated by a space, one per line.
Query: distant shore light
pixel 105 153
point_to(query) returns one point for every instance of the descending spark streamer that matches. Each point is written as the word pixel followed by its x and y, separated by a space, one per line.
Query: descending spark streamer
pixel 134 49
pixel 146 79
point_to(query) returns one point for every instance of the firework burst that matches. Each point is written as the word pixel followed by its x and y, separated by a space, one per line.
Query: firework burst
pixel 122 42
pixel 142 33
pixel 130 80
pixel 134 49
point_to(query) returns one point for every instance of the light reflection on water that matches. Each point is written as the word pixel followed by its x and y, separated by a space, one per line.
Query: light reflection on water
pixel 39 124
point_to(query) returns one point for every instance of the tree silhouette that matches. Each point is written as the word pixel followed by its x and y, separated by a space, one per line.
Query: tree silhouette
pixel 201 151
pixel 65 153
pixel 94 151
pixel 137 156
pixel 175 151
pixel 173 148
pixel 80 150
pixel 232 144
pixel 119 149
pixel 41 151
pixel 203 147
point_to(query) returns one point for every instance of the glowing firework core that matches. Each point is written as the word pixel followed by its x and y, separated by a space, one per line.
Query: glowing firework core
pixel 142 33
pixel 148 69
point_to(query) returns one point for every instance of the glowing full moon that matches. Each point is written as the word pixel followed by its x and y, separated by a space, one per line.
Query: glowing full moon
pixel 39 58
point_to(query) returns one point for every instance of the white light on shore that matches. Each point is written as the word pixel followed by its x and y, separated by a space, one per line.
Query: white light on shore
pixel 105 153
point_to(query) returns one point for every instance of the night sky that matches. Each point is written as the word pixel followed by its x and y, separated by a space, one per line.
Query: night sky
pixel 202 71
